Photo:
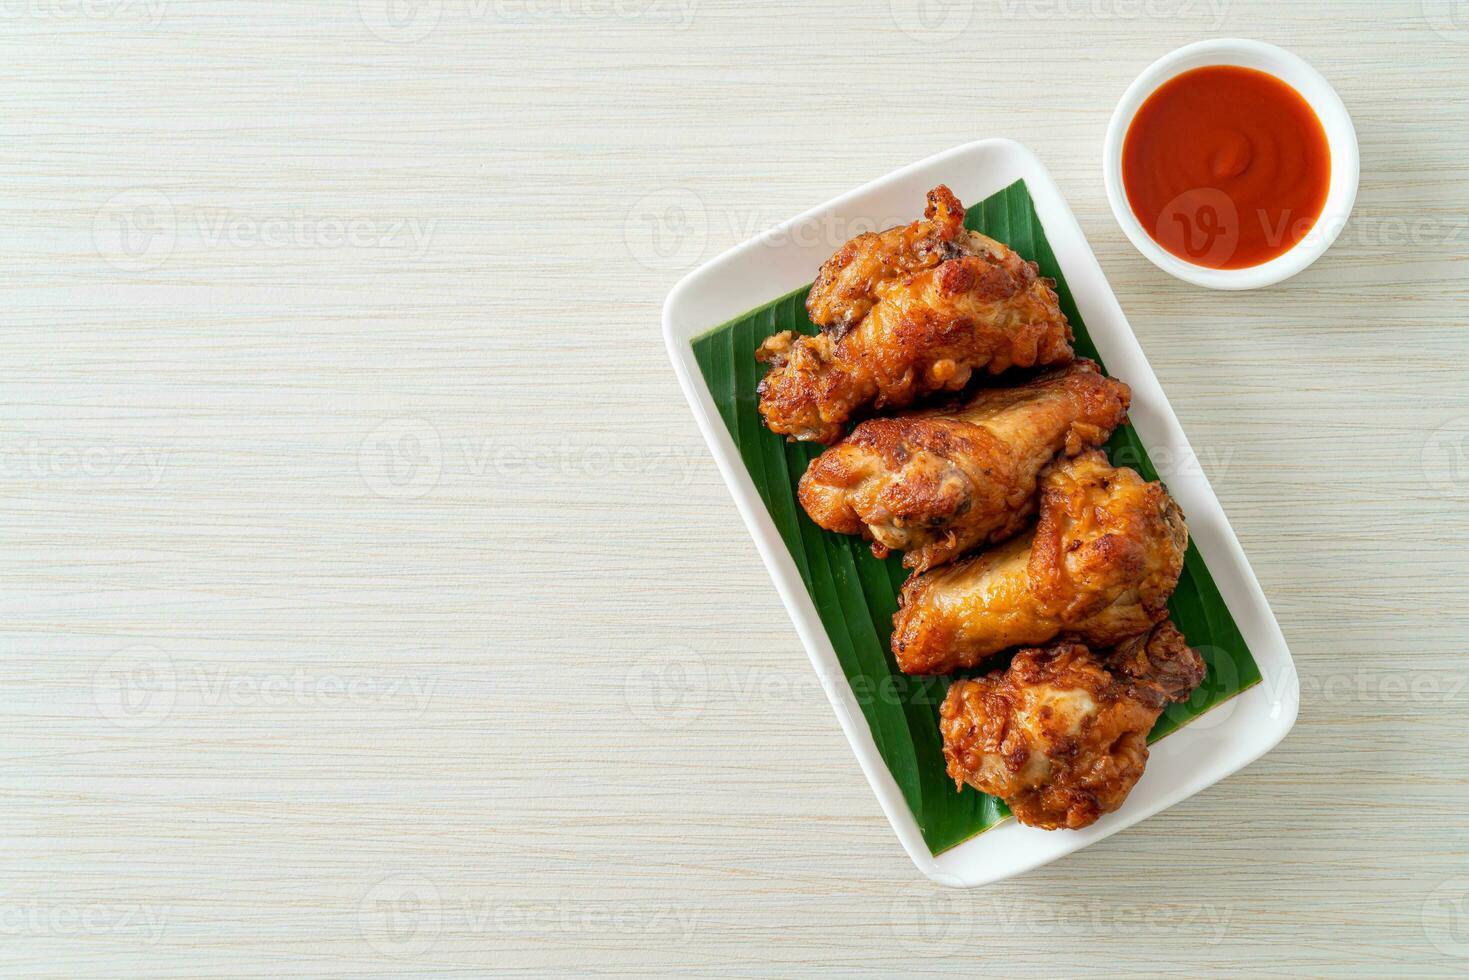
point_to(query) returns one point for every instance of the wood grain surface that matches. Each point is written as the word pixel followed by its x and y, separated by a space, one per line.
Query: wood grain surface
pixel 370 604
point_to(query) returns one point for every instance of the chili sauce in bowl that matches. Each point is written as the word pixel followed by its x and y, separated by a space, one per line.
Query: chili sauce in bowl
pixel 1226 167
pixel 1231 164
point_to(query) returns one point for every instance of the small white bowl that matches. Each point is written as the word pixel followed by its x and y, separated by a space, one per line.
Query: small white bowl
pixel 1341 140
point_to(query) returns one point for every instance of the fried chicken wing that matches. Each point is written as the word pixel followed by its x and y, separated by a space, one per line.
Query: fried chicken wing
pixel 1100 566
pixel 972 305
pixel 1061 736
pixel 856 276
pixel 936 484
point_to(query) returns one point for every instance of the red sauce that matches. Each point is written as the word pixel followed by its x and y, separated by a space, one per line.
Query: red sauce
pixel 1226 167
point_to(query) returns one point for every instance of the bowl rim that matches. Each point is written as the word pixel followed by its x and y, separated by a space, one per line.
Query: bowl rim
pixel 1319 94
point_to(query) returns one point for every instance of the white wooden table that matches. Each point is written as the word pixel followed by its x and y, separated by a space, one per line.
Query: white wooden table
pixel 369 603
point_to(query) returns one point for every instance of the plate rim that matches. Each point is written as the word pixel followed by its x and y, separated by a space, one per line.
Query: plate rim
pixel 1269 708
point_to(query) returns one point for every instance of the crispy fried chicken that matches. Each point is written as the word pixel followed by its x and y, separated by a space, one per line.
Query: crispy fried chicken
pixel 906 313
pixel 1100 566
pixel 935 484
pixel 1061 736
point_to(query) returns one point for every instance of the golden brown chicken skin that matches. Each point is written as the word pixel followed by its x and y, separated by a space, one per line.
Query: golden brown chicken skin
pixel 986 309
pixel 1061 736
pixel 935 484
pixel 1100 566
pixel 856 276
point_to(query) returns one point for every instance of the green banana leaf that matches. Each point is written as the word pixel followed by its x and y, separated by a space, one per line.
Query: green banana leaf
pixel 856 594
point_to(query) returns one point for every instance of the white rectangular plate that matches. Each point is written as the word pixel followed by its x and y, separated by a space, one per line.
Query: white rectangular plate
pixel 1208 748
